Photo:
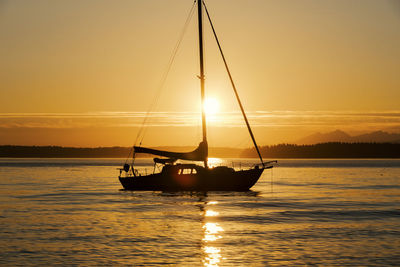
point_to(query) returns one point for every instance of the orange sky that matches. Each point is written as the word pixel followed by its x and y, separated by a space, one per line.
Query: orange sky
pixel 71 71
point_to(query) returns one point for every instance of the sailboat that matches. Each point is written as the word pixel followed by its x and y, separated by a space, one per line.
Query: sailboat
pixel 191 176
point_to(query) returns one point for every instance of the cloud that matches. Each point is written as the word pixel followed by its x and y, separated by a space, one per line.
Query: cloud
pixel 95 119
pixel 270 119
pixel 337 119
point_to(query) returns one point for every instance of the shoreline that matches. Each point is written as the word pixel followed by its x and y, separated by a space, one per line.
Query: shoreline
pixel 282 151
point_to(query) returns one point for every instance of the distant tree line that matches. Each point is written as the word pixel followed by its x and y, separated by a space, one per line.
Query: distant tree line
pixel 328 150
pixel 63 152
pixel 323 150
pixel 98 152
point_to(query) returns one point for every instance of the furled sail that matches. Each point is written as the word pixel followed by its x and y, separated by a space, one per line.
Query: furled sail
pixel 199 154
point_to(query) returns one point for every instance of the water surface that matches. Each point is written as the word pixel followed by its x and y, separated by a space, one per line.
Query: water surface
pixel 304 212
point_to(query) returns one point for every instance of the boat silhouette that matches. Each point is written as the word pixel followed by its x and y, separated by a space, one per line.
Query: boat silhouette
pixel 188 176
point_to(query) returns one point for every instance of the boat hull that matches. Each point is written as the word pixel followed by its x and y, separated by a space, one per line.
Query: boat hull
pixel 217 179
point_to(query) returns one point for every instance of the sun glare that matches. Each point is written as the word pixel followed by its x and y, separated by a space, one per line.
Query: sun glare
pixel 211 106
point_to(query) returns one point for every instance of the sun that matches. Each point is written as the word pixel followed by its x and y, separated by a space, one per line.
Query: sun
pixel 211 106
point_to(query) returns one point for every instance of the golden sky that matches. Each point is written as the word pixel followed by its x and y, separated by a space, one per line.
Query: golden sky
pixel 83 73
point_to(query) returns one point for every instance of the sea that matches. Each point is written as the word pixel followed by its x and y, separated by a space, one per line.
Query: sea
pixel 303 212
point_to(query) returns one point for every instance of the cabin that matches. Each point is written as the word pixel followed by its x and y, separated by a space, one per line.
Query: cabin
pixel 181 169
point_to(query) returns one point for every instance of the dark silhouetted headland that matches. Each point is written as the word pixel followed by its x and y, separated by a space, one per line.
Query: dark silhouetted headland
pixel 98 152
pixel 328 150
pixel 62 152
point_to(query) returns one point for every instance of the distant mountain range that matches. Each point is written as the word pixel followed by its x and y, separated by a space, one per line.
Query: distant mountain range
pixel 340 136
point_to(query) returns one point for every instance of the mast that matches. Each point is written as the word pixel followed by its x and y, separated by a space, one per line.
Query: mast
pixel 201 77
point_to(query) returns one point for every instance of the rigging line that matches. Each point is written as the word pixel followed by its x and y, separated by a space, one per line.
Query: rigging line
pixel 233 85
pixel 130 152
pixel 143 127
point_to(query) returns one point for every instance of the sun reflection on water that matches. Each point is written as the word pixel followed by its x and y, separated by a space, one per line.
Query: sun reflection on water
pixel 213 162
pixel 212 228
pixel 211 213
pixel 213 256
pixel 212 232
